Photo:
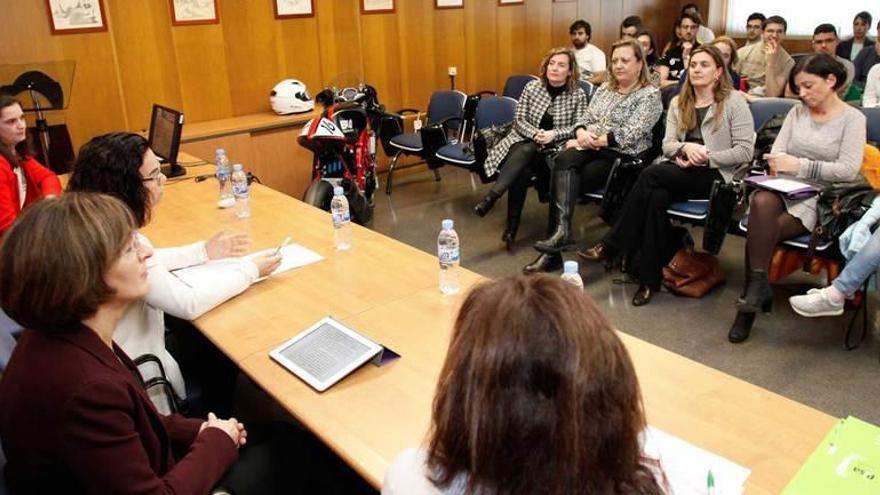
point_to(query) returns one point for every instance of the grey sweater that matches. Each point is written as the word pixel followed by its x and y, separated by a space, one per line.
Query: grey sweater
pixel 730 146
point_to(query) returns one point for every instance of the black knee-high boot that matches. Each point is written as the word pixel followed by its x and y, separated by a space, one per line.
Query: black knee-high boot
pixel 546 262
pixel 564 200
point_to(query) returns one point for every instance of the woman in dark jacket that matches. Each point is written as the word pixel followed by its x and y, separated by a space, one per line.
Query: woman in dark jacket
pixel 546 115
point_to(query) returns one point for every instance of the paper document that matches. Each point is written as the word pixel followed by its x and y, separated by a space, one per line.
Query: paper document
pixel 785 185
pixel 292 256
pixel 687 466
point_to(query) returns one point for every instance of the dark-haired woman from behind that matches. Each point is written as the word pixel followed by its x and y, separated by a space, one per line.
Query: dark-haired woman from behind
pixel 23 180
pixel 822 140
pixel 537 395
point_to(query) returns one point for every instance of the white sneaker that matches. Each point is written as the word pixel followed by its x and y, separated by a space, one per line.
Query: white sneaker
pixel 816 302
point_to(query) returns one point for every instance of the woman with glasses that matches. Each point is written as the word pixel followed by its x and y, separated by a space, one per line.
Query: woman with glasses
pixel 121 164
pixel 23 180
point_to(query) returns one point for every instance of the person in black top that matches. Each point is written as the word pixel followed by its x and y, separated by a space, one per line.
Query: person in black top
pixel 674 60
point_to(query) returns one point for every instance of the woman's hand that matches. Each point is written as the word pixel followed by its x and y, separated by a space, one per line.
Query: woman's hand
pixel 583 138
pixel 267 264
pixel 572 144
pixel 682 162
pixel 543 137
pixel 782 162
pixel 225 245
pixel 231 427
pixel 600 141
pixel 696 154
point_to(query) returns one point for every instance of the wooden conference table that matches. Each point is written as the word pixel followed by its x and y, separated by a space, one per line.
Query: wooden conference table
pixel 388 291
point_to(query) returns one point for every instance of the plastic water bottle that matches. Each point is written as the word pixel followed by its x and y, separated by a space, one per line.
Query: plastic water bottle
pixel 449 254
pixel 224 177
pixel 240 191
pixel 341 219
pixel 571 275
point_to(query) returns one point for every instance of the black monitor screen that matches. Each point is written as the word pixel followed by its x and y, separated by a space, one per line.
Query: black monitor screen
pixel 165 129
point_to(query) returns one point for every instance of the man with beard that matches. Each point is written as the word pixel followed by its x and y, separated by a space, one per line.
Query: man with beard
pixel 766 64
pixel 590 59
pixel 754 28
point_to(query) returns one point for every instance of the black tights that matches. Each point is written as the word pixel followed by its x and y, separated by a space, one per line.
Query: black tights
pixel 769 223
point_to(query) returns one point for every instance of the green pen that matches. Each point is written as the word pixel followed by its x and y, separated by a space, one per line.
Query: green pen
pixel 710 483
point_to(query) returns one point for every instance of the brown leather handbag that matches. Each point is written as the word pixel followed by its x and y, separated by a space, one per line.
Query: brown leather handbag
pixel 692 274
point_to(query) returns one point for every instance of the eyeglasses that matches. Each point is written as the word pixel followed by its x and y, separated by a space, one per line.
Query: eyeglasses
pixel 825 41
pixel 134 246
pixel 155 175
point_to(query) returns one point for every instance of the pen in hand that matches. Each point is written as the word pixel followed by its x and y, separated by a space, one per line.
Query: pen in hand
pixel 710 483
pixel 285 242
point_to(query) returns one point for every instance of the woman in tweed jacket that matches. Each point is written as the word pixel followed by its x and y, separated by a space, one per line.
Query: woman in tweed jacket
pixel 619 121
pixel 709 135
pixel 546 116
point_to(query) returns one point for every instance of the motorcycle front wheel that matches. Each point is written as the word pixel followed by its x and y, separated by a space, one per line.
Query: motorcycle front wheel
pixel 319 194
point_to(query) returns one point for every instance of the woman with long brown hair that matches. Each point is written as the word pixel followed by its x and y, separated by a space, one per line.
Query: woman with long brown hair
pixel 537 395
pixel 709 133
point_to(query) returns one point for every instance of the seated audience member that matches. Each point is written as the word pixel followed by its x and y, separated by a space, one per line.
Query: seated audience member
pixel 850 47
pixel 121 164
pixel 709 134
pixel 630 26
pixel 674 60
pixel 862 249
pixel 754 28
pixel 648 41
pixel 871 96
pixel 727 47
pixel 767 65
pixel 704 34
pixel 545 119
pixel 868 57
pixel 23 180
pixel 537 395
pixel 825 41
pixel 74 416
pixel 821 140
pixel 590 59
pixel 619 121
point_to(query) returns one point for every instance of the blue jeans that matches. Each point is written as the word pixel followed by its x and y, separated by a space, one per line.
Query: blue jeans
pixel 862 266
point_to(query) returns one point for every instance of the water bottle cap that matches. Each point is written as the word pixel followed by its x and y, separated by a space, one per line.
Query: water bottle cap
pixel 338 191
pixel 221 151
pixel 237 167
pixel 571 266
pixel 447 224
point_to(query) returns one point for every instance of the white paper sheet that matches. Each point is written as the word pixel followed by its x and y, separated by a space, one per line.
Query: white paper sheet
pixel 292 256
pixel 784 185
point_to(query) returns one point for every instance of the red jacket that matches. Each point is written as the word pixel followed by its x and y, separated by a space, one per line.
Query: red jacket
pixel 75 419
pixel 40 182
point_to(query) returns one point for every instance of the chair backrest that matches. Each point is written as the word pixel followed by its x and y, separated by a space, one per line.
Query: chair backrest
pixel 872 115
pixel 764 108
pixel 8 330
pixel 495 110
pixel 445 104
pixel 515 85
pixel 588 88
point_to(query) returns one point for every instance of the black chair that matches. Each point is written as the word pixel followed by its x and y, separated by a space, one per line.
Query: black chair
pixel 515 85
pixel 444 108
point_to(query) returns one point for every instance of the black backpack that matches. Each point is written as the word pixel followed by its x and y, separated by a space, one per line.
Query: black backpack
pixel 766 136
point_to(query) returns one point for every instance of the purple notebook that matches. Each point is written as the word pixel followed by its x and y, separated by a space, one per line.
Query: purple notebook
pixel 790 188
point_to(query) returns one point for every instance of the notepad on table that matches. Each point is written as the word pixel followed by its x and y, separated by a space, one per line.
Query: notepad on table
pixel 292 256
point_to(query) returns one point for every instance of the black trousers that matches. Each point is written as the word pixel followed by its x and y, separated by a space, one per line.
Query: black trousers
pixel 643 224
pixel 281 458
pixel 593 167
pixel 523 161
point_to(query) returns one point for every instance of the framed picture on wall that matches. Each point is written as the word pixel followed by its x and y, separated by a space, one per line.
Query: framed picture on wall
pixel 286 9
pixel 377 6
pixel 69 17
pixel 511 2
pixel 449 4
pixel 188 12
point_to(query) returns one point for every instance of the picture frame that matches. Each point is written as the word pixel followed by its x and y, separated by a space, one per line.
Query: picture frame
pixel 377 6
pixel 66 17
pixel 292 9
pixel 448 4
pixel 564 1
pixel 504 3
pixel 193 12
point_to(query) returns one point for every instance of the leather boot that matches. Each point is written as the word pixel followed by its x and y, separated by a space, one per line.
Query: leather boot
pixel 545 262
pixel 564 199
pixel 742 327
pixel 758 296
pixel 486 204
pixel 508 237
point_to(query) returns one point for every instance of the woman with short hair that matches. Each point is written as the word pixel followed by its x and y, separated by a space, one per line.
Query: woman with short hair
pixel 537 395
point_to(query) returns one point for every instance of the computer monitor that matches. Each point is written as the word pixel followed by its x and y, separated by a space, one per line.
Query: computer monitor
pixel 165 129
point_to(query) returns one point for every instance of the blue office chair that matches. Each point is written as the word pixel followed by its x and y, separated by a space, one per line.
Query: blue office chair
pixel 444 108
pixel 4 489
pixel 872 115
pixel 764 108
pixel 515 85
pixel 491 110
pixel 589 88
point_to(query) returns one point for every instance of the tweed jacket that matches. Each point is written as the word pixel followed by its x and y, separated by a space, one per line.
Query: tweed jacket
pixel 629 117
pixel 730 146
pixel 566 109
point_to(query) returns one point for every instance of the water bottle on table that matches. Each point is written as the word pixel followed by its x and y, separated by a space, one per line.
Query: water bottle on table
pixel 224 178
pixel 570 274
pixel 449 255
pixel 240 191
pixel 341 219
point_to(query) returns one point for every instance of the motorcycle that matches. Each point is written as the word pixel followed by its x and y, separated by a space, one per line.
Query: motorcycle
pixel 343 142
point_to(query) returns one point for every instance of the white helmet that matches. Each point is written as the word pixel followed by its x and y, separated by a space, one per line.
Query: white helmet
pixel 290 96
